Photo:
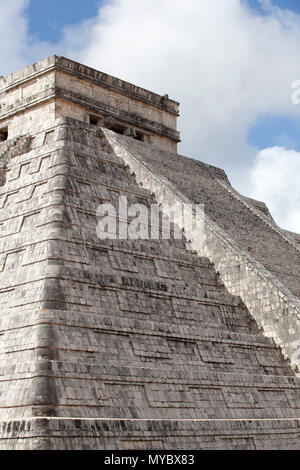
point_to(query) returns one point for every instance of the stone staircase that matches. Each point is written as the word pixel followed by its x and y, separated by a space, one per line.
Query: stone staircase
pixel 207 185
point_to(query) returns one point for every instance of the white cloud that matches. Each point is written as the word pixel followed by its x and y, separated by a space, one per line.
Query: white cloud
pixel 226 64
pixel 276 181
pixel 13 34
pixel 18 47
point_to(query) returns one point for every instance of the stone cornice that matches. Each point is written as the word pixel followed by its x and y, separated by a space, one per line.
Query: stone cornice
pixel 117 85
pixel 26 103
pixel 96 106
pixel 109 110
pixel 96 77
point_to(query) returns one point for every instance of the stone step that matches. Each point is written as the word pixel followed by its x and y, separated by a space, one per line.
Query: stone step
pixel 144 343
pixel 98 322
pixel 137 434
pixel 107 391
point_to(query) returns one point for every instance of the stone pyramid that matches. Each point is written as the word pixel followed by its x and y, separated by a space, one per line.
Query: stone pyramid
pixel 134 344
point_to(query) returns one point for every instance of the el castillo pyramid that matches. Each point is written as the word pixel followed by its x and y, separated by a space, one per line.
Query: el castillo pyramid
pixel 134 344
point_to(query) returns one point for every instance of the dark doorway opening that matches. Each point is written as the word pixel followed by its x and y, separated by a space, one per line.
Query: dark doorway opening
pixel 140 137
pixel 3 134
pixel 118 129
pixel 94 120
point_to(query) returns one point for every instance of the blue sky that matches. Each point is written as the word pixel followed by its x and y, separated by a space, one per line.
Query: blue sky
pixel 273 130
pixel 231 67
pixel 47 18
pixel 270 130
pixel 292 5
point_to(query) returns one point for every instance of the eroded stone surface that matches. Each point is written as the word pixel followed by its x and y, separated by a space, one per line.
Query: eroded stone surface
pixel 94 329
pixel 125 344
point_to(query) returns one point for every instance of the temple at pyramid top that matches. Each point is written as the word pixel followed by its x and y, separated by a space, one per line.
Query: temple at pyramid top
pixel 58 87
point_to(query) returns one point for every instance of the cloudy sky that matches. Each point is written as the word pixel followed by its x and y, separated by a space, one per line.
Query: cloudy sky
pixel 230 63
